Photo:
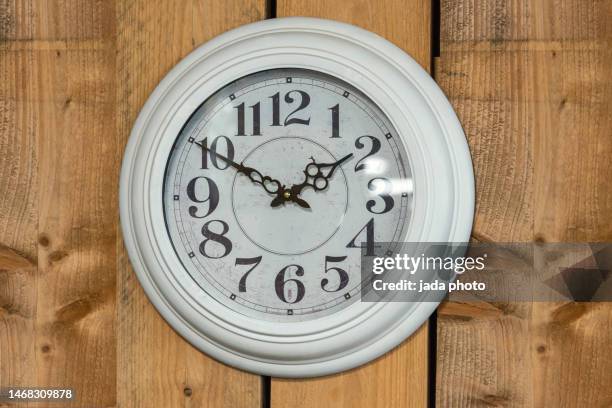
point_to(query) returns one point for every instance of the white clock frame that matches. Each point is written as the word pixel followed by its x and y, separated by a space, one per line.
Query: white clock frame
pixel 439 158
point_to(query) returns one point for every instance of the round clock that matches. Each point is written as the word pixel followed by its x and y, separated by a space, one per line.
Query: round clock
pixel 263 167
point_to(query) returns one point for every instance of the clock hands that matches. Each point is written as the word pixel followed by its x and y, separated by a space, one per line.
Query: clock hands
pixel 315 177
pixel 269 184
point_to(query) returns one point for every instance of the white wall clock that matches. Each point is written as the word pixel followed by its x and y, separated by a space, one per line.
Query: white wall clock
pixel 257 170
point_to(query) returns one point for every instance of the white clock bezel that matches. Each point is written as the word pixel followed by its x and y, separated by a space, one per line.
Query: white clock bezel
pixel 417 108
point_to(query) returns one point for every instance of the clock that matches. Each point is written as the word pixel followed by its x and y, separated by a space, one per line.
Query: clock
pixel 263 168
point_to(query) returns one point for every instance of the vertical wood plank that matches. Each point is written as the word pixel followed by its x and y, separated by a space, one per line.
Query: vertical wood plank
pixel 18 208
pixel 407 24
pixel 58 198
pixel 573 195
pixel 77 230
pixel 531 82
pixel 481 357
pixel 399 379
pixel 156 366
pixel 77 198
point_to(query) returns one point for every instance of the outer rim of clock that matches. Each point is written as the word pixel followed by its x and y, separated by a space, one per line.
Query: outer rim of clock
pixel 461 220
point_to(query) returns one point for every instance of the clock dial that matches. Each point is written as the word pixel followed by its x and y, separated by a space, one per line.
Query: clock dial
pixel 273 187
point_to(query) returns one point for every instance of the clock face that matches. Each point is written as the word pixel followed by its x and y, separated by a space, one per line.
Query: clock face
pixel 275 186
pixel 250 192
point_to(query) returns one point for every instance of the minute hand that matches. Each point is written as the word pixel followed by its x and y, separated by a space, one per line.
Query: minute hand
pixel 269 184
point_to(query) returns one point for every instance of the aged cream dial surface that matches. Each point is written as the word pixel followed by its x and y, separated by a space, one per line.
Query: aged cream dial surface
pixel 236 220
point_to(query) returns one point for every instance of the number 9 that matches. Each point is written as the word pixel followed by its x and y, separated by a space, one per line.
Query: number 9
pixel 212 199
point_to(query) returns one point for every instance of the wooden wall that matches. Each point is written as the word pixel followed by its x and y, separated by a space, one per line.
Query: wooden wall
pixel 532 84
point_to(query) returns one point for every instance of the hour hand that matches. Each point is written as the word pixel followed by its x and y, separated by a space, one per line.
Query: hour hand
pixel 317 176
pixel 272 186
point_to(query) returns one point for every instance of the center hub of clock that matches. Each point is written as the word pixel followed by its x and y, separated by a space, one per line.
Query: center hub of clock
pixel 289 228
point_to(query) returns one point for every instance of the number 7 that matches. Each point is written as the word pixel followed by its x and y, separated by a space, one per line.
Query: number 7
pixel 246 261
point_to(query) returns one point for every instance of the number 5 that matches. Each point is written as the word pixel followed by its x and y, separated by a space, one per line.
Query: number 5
pixel 343 275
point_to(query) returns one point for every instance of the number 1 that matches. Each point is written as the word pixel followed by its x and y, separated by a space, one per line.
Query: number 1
pixel 335 120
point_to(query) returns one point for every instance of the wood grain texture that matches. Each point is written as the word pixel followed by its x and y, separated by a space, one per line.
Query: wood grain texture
pixel 157 368
pixel 572 365
pixel 531 81
pixel 407 24
pixel 532 84
pixel 18 218
pixel 399 379
pixel 58 198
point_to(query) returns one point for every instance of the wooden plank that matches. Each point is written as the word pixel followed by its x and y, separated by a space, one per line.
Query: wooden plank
pixel 77 229
pixel 399 379
pixel 18 222
pixel 156 366
pixel 58 208
pixel 531 84
pixel 571 363
pixel 77 167
pixel 407 24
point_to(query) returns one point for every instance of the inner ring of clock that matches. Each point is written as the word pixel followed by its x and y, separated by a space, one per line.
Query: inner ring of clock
pixel 311 222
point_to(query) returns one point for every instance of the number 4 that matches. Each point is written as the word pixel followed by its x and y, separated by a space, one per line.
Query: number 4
pixel 369 229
